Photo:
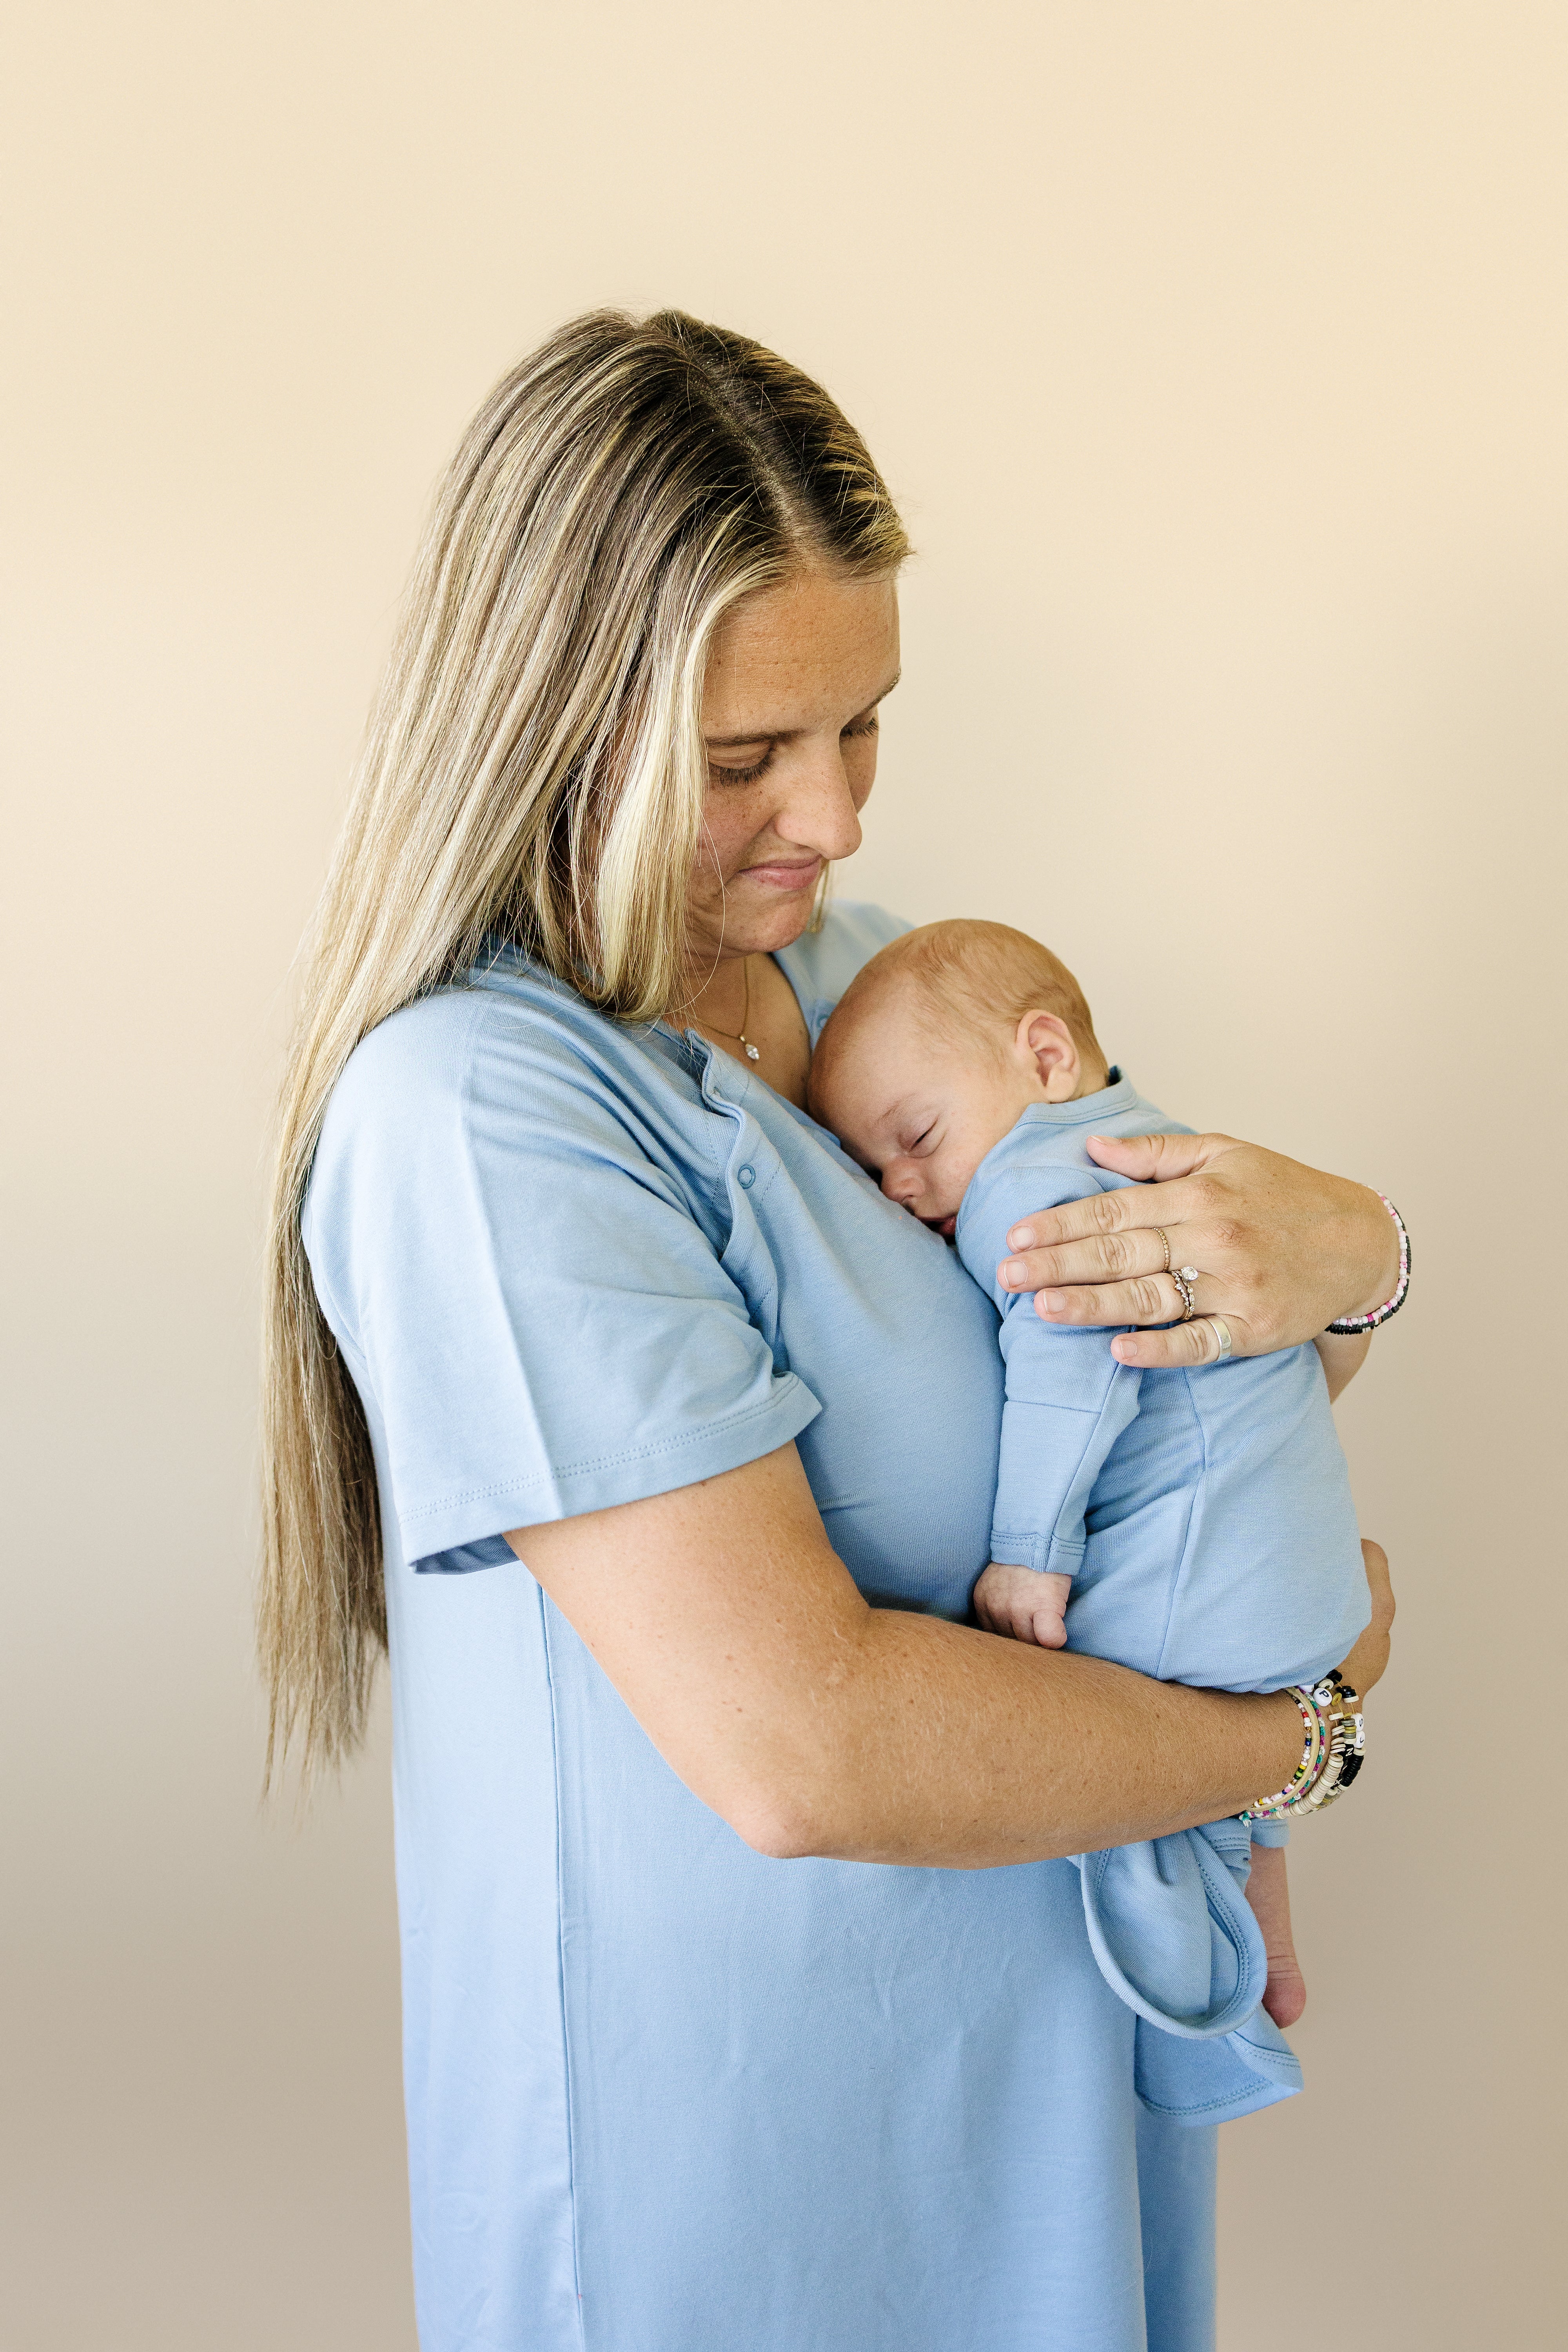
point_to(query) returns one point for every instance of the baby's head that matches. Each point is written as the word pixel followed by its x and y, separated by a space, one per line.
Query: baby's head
pixel 939 1045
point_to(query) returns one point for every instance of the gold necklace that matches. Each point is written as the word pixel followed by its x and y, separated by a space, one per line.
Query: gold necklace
pixel 739 1034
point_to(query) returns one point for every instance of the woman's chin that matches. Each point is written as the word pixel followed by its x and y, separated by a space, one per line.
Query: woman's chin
pixel 760 918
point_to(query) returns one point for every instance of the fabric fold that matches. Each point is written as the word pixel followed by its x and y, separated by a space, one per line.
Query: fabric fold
pixel 1175 1937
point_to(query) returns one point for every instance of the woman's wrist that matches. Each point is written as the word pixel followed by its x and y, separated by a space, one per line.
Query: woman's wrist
pixel 1332 1755
pixel 1279 1747
pixel 1392 1281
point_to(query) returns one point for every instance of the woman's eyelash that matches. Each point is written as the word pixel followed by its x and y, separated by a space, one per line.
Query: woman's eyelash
pixel 744 775
pixel 760 768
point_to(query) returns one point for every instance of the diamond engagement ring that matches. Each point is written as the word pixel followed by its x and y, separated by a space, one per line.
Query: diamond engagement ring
pixel 1183 1276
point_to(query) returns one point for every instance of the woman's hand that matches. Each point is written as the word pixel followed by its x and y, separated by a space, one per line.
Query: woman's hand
pixel 1368 1662
pixel 1282 1250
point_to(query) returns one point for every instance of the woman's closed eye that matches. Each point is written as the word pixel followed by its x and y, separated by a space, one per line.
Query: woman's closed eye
pixel 747 775
pixel 732 772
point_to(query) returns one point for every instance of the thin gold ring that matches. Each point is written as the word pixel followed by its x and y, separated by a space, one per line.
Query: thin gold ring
pixel 1166 1246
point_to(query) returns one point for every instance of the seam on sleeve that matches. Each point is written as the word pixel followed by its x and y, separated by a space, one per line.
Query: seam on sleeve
pixel 556 1471
pixel 1194 1499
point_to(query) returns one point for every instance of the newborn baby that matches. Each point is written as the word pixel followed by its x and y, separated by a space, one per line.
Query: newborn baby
pixel 1195 1525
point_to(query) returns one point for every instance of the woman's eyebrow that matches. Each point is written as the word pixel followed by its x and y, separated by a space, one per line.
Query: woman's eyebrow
pixel 788 734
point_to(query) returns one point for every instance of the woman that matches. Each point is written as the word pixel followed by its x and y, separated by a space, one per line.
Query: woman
pixel 566 1275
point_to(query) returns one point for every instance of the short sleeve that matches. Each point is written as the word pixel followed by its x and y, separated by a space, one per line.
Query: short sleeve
pixel 537 1322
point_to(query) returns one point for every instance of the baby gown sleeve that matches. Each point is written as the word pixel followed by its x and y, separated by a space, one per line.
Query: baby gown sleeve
pixel 505 1250
pixel 1067 1400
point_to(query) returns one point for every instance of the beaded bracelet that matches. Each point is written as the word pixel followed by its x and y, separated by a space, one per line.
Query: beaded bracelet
pixel 1352 1326
pixel 1333 1756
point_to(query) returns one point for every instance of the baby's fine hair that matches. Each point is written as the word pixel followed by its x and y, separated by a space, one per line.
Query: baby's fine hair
pixel 978 976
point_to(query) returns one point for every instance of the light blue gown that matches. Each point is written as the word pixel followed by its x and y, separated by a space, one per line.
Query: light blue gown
pixel 666 2095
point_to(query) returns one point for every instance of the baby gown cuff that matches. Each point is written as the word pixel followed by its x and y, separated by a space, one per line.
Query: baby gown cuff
pixel 1270 1833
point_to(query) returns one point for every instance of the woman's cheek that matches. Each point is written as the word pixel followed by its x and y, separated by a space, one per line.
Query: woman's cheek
pixel 862 775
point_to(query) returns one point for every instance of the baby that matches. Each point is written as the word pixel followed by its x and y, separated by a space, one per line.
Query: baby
pixel 1195 1525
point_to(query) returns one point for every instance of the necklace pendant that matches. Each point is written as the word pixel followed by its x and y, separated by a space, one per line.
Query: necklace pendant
pixel 751 1053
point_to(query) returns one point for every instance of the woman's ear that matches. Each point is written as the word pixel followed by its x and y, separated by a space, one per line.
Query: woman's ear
pixel 1047 1041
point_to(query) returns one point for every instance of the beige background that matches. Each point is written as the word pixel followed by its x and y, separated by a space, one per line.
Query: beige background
pixel 1217 352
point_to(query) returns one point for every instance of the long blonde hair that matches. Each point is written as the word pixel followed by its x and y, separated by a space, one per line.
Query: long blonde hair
pixel 535 770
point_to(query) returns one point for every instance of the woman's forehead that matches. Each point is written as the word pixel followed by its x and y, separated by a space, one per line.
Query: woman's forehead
pixel 813 651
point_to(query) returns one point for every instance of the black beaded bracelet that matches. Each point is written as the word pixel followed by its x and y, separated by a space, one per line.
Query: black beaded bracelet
pixel 1351 1327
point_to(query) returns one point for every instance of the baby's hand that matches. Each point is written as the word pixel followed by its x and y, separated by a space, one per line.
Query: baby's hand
pixel 1024 1603
pixel 1285 1996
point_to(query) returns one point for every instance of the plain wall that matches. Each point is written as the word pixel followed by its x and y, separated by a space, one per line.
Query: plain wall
pixel 1217 354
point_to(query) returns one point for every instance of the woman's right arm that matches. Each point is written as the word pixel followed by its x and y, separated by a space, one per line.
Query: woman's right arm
pixel 815 1725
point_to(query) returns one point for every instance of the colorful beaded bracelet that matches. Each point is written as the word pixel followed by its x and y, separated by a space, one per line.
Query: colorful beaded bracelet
pixel 1335 1747
pixel 1352 1325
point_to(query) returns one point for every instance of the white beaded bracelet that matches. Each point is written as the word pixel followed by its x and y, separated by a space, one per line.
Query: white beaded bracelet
pixel 1352 1325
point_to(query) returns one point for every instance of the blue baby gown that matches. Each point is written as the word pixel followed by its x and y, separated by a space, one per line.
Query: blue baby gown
pixel 1205 1517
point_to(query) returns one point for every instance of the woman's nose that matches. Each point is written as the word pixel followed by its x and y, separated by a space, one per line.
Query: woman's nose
pixel 819 810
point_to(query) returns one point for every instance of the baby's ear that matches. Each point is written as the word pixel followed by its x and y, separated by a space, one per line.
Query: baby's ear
pixel 1045 1040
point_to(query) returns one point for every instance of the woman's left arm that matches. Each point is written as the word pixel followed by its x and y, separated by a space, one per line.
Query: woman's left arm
pixel 1282 1250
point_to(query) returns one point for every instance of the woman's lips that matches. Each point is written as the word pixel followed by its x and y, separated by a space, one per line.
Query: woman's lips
pixel 799 873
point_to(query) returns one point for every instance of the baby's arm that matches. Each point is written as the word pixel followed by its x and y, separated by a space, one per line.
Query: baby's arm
pixel 1067 1403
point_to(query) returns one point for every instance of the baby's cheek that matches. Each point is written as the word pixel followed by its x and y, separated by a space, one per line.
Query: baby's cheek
pixel 951 1185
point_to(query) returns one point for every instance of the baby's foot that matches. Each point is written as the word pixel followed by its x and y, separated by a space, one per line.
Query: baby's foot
pixel 1022 1602
pixel 1285 1995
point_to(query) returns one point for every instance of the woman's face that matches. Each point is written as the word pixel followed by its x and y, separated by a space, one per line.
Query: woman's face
pixel 789 715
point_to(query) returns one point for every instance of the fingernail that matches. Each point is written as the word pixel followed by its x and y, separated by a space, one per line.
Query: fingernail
pixel 1053 1301
pixel 1021 1237
pixel 1012 1273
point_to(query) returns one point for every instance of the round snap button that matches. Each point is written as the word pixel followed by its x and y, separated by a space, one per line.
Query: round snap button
pixel 747 1175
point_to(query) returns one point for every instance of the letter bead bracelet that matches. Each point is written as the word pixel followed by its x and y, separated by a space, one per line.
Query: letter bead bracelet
pixel 1336 1744
pixel 1352 1325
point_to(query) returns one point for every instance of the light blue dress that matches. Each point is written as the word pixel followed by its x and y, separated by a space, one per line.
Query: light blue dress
pixel 666 2095
pixel 1205 1519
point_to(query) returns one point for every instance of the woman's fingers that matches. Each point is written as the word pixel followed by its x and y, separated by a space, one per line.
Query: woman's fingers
pixel 1113 1256
pixel 1157 1299
pixel 1200 1341
pixel 1114 1235
pixel 1101 1215
pixel 1154 1159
